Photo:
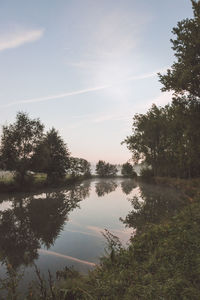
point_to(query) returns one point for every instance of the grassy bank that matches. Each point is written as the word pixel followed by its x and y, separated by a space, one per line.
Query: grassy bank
pixel 161 263
pixel 8 184
pixel 190 187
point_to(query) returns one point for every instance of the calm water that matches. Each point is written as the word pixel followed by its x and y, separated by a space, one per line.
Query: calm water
pixel 63 227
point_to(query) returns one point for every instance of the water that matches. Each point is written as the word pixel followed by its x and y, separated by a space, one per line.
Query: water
pixel 63 227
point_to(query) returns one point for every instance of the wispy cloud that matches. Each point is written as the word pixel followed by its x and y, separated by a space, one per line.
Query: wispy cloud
pixel 118 33
pixel 57 96
pixel 110 48
pixel 146 75
pixel 83 91
pixel 18 37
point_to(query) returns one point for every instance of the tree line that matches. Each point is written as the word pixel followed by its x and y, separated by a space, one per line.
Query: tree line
pixel 167 139
pixel 104 169
pixel 26 148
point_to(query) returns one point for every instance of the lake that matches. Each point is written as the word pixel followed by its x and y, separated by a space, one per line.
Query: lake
pixel 63 227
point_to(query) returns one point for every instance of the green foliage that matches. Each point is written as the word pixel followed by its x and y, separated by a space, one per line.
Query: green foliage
pixel 161 263
pixel 52 157
pixel 185 72
pixel 104 169
pixel 146 174
pixel 11 282
pixel 167 138
pixel 18 143
pixel 79 167
pixel 128 171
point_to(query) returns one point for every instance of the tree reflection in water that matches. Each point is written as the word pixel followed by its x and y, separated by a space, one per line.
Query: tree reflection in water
pixel 128 185
pixel 153 205
pixel 103 187
pixel 36 220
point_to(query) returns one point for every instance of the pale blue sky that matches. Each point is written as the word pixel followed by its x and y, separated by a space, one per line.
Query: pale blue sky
pixel 86 66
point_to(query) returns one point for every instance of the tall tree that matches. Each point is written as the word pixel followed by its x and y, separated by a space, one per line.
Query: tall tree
pixel 18 143
pixel 148 140
pixel 52 156
pixel 168 138
pixel 184 75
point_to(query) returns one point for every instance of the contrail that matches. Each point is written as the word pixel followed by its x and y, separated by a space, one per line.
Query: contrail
pixel 67 257
pixel 58 96
pixel 84 91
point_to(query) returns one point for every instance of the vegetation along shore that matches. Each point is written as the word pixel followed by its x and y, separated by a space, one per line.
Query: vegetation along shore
pixel 162 258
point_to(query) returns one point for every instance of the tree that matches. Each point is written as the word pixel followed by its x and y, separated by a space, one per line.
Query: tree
pixel 128 171
pixel 184 75
pixel 18 143
pixel 79 167
pixel 104 169
pixel 148 140
pixel 52 156
pixel 167 138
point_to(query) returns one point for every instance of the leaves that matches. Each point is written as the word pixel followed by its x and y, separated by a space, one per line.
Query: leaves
pixel 184 74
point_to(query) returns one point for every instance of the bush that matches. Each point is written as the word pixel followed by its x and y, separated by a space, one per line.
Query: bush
pixel 128 171
pixel 146 174
pixel 28 180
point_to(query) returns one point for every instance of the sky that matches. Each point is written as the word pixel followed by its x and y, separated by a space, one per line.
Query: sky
pixel 86 67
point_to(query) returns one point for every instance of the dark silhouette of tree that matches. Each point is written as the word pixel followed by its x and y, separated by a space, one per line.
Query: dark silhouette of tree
pixel 52 156
pixel 128 170
pixel 168 138
pixel 18 144
pixel 104 169
pixel 79 167
pixel 184 75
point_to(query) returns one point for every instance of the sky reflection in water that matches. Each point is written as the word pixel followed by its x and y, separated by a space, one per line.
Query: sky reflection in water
pixel 64 227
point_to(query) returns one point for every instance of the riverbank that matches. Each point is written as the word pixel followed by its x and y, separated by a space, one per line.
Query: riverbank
pixel 162 262
pixel 190 187
pixel 39 181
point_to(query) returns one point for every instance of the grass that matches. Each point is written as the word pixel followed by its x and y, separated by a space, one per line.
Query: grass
pixel 6 177
pixel 40 177
pixel 33 182
pixel 190 187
